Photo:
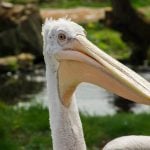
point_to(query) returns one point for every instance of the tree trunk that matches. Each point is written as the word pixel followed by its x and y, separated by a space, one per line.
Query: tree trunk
pixel 135 30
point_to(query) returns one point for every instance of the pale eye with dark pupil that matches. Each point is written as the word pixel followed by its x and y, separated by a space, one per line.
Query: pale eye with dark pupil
pixel 61 36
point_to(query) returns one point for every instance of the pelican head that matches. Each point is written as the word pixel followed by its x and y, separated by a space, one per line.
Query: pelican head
pixel 75 59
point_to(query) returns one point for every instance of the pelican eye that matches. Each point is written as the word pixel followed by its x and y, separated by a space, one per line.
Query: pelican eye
pixel 61 36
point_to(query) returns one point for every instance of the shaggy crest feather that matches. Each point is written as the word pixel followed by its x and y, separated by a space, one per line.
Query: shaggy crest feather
pixel 63 22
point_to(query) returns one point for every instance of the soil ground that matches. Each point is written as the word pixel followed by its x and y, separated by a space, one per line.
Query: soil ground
pixel 82 14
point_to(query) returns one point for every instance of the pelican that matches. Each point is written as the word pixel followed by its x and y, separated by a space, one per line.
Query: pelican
pixel 71 59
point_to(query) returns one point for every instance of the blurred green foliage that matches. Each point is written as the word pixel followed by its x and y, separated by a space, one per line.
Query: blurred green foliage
pixel 100 130
pixel 75 3
pixel 24 129
pixel 28 129
pixel 140 3
pixel 108 40
pixel 64 3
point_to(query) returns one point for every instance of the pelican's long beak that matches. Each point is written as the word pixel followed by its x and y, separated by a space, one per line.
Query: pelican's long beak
pixel 87 63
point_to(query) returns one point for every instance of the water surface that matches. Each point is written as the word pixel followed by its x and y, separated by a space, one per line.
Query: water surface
pixel 28 89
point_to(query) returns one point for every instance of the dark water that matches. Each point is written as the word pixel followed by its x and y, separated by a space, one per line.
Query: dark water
pixel 20 86
pixel 24 89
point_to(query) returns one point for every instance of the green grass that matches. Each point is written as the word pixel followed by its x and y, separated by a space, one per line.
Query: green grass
pixel 76 3
pixel 99 130
pixel 65 3
pixel 23 129
pixel 108 40
pixel 140 3
pixel 28 129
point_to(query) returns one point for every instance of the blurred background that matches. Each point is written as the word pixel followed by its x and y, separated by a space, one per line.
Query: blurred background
pixel 119 27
